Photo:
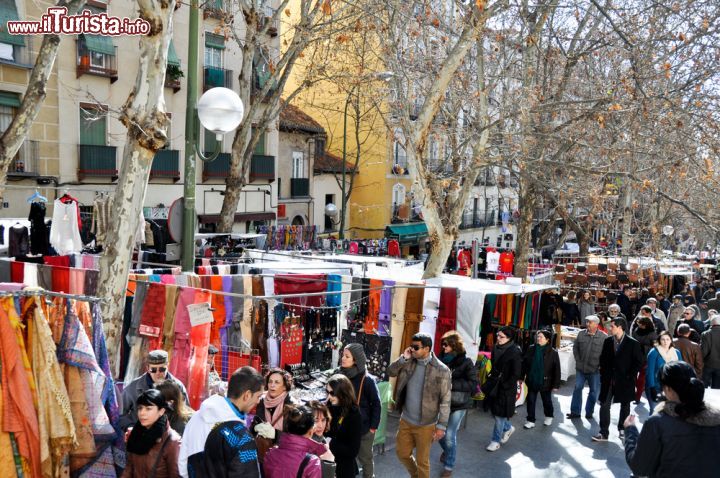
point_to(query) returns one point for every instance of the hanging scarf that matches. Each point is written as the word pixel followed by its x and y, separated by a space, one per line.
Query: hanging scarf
pixel 141 439
pixel 669 355
pixel 276 419
pixel 350 372
pixel 500 350
pixel 536 376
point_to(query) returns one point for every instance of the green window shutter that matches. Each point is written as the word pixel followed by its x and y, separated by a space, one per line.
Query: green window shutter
pixel 99 44
pixel 260 146
pixel 215 41
pixel 8 12
pixel 172 56
pixel 9 99
pixel 93 129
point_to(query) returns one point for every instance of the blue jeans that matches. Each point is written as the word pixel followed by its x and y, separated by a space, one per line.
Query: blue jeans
pixel 449 443
pixel 502 425
pixel 593 380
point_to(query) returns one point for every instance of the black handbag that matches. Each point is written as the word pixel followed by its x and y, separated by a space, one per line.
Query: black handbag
pixel 459 399
pixel 491 386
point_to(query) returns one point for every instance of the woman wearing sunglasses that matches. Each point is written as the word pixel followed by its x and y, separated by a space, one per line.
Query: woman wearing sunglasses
pixel 346 425
pixel 464 382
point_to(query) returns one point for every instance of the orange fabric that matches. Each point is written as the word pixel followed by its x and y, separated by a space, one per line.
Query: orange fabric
pixel 371 321
pixel 199 339
pixel 217 303
pixel 18 417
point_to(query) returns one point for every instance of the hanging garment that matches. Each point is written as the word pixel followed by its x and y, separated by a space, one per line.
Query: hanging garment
pixel 217 302
pixel 291 347
pixel 179 365
pixel 77 281
pixel 38 229
pixel 297 284
pixel 373 310
pixel 18 388
pixel 5 273
pixel 172 292
pixel 385 315
pixel 64 232
pixel 413 315
pixel 56 427
pixel 227 323
pixel 334 284
pixel 431 308
pixel 17 272
pixel 137 343
pixel 200 341
pixel 246 324
pixel 506 262
pixel 153 314
pixel 19 244
pixel 492 261
pixel 30 274
pixel 398 321
pixel 393 248
pixel 447 316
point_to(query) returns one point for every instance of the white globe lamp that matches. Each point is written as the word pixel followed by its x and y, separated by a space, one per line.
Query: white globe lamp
pixel 220 110
pixel 331 211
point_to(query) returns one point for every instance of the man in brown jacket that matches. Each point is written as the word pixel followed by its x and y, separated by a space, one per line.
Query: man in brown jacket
pixel 422 395
pixel 691 352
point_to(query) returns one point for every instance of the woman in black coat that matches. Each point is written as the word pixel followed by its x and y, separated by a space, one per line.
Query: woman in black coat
pixel 501 385
pixel 682 437
pixel 541 369
pixel 464 383
pixel 345 426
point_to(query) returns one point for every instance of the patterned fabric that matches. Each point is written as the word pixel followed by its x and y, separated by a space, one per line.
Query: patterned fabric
pixel 237 438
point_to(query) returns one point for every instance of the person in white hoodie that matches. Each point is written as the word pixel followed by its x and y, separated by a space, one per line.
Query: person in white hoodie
pixel 244 390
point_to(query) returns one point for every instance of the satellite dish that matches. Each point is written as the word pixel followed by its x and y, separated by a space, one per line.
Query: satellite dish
pixel 668 230
pixel 175 220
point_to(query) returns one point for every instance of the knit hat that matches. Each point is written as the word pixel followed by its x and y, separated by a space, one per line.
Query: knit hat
pixel 358 354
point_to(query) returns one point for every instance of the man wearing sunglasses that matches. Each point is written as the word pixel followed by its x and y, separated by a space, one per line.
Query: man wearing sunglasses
pixel 422 395
pixel 157 371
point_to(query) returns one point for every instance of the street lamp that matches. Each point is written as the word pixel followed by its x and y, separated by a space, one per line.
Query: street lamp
pixel 382 76
pixel 220 110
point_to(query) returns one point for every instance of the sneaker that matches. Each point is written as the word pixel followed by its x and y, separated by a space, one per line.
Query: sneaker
pixel 446 474
pixel 572 415
pixel 442 457
pixel 589 416
pixel 529 425
pixel 548 421
pixel 493 446
pixel 506 435
pixel 600 437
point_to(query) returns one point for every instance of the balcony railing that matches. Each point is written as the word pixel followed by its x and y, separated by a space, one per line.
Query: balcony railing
pixel 214 9
pixel 26 161
pixel 478 219
pixel 166 164
pixel 21 55
pixel 97 161
pixel 262 168
pixel 85 64
pixel 299 187
pixel 214 77
pixel 218 168
pixel 400 213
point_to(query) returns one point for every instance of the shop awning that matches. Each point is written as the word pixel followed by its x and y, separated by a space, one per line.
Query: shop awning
pixel 407 234
pixel 215 41
pixel 8 12
pixel 173 59
pixel 100 44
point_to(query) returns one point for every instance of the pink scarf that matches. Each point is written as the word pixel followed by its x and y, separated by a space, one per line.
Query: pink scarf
pixel 276 420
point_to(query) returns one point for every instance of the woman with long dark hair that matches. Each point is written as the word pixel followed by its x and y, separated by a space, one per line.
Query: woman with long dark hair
pixel 501 385
pixel 682 437
pixel 664 352
pixel 153 447
pixel 346 425
pixel 464 382
pixel 179 412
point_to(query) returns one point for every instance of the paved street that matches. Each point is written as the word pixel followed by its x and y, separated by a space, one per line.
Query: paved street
pixel 561 450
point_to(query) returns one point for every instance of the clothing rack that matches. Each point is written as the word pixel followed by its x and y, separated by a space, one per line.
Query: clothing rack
pixel 42 292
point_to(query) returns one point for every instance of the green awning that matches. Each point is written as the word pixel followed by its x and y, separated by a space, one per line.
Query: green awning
pixel 172 56
pixel 9 99
pixel 215 41
pixel 8 12
pixel 100 44
pixel 407 234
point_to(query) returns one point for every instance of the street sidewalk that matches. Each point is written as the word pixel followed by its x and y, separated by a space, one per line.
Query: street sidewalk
pixel 564 449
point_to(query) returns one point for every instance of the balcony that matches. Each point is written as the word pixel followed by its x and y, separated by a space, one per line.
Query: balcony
pixel 214 77
pixel 299 187
pixel 401 213
pixel 262 168
pixel 214 9
pixel 25 163
pixel 477 220
pixel 21 55
pixel 166 164
pixel 97 161
pixel 267 17
pixel 94 63
pixel 218 168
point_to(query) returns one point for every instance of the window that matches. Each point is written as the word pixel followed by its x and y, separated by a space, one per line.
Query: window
pixel 329 199
pixel 319 147
pixel 97 60
pixel 10 45
pixel 214 46
pixel 398 194
pixel 298 165
pixel 399 153
pixel 210 142
pixel 260 146
pixel 93 126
